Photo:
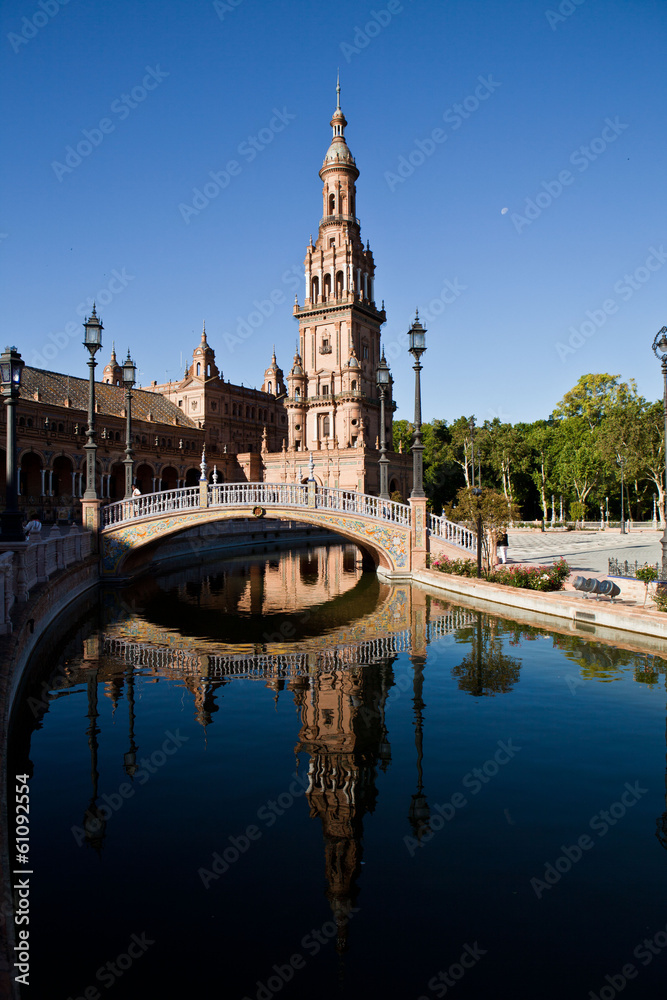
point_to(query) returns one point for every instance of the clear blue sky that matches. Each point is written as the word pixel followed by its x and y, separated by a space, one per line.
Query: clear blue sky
pixel 550 84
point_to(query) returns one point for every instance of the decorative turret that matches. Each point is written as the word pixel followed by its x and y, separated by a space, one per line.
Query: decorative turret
pixel 296 404
pixel 273 378
pixel 113 373
pixel 203 360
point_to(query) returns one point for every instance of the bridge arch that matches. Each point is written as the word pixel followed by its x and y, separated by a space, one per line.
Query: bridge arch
pixel 381 527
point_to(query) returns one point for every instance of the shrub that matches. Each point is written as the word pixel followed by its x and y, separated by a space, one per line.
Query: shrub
pixel 660 600
pixel 528 577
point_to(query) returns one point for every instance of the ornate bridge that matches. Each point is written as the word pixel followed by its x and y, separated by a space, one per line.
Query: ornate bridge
pixel 397 535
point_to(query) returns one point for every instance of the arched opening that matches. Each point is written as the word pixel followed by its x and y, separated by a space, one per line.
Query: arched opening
pixel 169 479
pixel 354 385
pixel 327 286
pixel 143 477
pixel 62 476
pixel 269 387
pixel 208 370
pixel 117 481
pixel 325 426
pixel 339 284
pixel 198 369
pixel 192 477
pixel 31 479
pixel 332 204
pixel 315 289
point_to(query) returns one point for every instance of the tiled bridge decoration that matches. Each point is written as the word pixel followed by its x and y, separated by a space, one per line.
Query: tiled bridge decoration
pixel 398 535
pixel 279 665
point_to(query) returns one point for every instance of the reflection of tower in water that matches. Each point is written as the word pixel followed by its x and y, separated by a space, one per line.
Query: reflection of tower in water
pixel 343 730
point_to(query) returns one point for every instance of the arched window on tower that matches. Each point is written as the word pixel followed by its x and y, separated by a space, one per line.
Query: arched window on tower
pixel 208 370
pixel 297 392
pixel 198 369
pixel 326 426
pixel 315 289
pixel 332 204
pixel 327 286
pixel 339 285
pixel 269 387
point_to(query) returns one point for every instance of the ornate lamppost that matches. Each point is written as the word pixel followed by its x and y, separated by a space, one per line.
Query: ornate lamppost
pixel 621 461
pixel 417 335
pixel 11 366
pixel 129 379
pixel 93 341
pixel 660 351
pixel 383 378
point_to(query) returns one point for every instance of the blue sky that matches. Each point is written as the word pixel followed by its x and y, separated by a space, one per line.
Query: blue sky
pixel 552 111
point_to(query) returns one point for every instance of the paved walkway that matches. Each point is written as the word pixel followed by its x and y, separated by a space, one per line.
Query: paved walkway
pixel 585 551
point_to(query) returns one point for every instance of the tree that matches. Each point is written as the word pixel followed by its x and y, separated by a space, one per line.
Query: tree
pixel 496 512
pixel 593 396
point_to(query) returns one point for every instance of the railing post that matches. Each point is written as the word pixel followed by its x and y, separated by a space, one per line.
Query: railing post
pixel 419 534
pixel 312 486
pixel 203 493
pixel 91 516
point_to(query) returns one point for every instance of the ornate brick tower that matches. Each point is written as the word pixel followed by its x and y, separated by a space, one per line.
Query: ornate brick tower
pixel 332 398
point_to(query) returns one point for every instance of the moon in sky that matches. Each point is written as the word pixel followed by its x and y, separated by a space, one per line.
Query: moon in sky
pixel 504 211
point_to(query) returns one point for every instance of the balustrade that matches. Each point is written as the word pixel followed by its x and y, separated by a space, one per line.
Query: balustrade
pixel 454 534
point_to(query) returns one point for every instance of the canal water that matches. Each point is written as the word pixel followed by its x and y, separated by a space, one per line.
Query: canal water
pixel 276 776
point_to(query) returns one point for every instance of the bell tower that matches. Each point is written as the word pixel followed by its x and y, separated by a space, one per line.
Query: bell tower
pixel 339 321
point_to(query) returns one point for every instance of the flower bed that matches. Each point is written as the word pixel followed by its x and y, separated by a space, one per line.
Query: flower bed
pixel 529 577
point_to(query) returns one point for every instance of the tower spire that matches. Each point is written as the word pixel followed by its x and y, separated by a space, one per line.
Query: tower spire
pixel 338 91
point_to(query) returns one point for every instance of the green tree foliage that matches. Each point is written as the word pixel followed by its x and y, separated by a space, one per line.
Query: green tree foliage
pixel 574 454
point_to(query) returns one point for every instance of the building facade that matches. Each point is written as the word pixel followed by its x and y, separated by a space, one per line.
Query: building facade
pixel 327 407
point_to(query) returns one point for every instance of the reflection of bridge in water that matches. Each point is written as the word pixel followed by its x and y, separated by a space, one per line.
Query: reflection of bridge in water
pixel 281 665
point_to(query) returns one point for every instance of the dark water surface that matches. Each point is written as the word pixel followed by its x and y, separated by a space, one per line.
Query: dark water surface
pixel 278 777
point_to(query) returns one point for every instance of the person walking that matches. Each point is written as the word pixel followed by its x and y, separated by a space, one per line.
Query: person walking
pixel 34 525
pixel 502 546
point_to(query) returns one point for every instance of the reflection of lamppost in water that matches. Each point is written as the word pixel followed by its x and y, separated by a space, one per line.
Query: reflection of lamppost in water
pixel 94 822
pixel 130 758
pixel 419 814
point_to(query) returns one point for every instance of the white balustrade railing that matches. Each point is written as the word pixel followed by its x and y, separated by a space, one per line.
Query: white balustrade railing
pixel 28 565
pixel 452 533
pixel 350 502
pixel 261 495
pixel 166 502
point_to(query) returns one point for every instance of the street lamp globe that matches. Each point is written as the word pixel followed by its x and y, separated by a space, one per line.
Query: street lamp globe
pixel 92 338
pixel 129 371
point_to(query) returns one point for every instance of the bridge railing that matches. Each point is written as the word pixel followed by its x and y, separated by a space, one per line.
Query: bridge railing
pixel 454 534
pixel 265 494
pixel 350 502
pixel 147 504
pixel 257 494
